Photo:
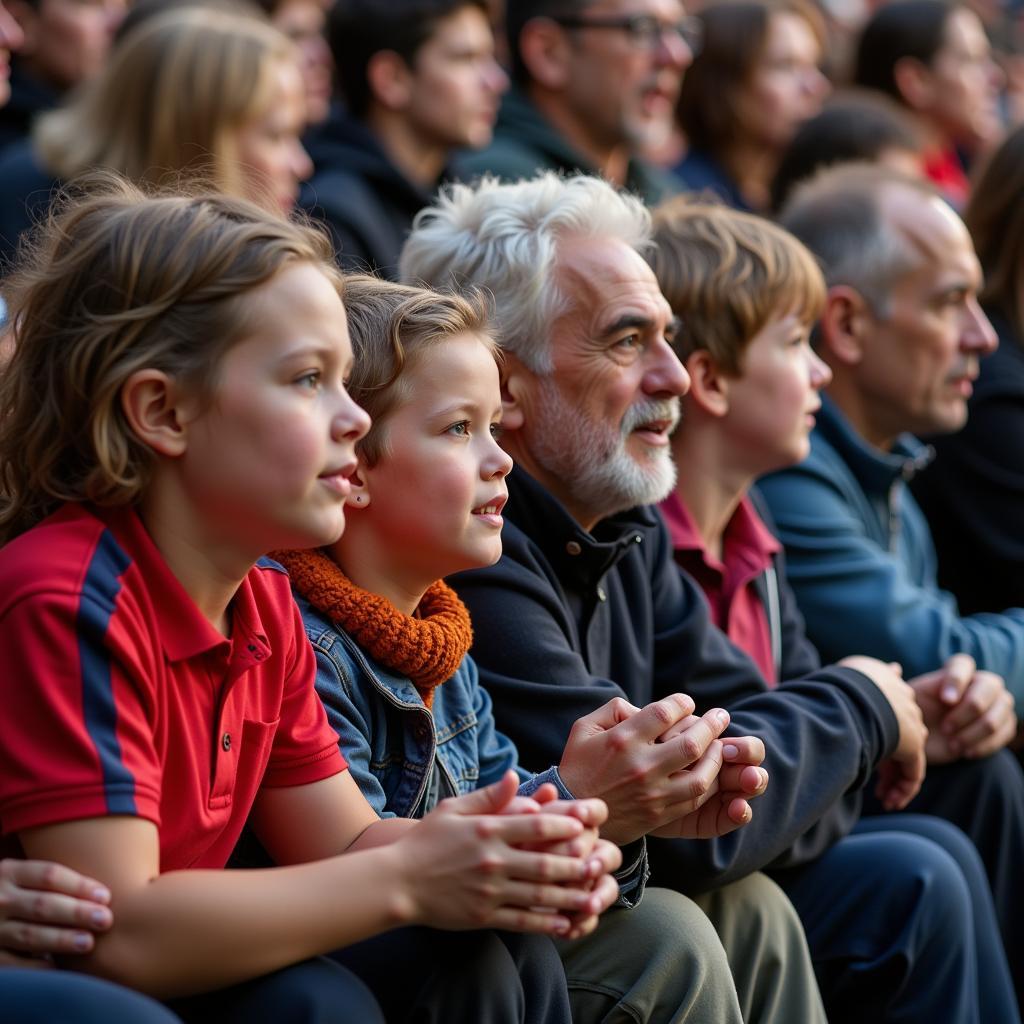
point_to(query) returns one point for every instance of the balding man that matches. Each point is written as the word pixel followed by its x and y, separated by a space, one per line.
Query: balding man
pixel 902 334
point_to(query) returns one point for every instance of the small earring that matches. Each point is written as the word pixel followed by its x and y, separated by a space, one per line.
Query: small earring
pixel 359 499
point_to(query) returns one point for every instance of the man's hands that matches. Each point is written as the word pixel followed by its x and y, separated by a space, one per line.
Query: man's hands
pixel 649 775
pixel 469 865
pixel 899 777
pixel 47 908
pixel 968 713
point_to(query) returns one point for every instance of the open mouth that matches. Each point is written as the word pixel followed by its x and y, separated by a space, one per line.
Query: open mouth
pixel 654 432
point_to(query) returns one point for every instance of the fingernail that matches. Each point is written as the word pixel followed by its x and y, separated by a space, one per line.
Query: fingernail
pixel 101 918
pixel 730 750
pixel 723 717
pixel 82 941
pixel 561 928
pixel 101 894
pixel 949 693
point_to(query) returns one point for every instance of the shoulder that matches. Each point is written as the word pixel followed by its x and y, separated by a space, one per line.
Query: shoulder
pixel 69 552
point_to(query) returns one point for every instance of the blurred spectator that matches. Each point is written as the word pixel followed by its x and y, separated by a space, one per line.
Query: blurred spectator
pixel 754 83
pixel 10 40
pixel 196 91
pixel 973 494
pixel 66 43
pixel 935 59
pixel 595 83
pixel 860 125
pixel 418 79
pixel 303 22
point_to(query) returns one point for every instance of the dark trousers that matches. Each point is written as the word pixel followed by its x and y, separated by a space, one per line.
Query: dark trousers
pixel 409 976
pixel 900 924
pixel 986 800
pixel 45 997
pixel 424 976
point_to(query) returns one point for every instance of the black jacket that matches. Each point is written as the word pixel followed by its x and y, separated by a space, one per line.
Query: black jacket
pixel 973 492
pixel 568 619
pixel 367 203
pixel 29 98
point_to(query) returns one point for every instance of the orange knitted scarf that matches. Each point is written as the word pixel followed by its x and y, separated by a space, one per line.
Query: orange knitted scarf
pixel 427 649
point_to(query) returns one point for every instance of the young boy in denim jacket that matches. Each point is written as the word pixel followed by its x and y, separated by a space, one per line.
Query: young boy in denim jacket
pixel 392 639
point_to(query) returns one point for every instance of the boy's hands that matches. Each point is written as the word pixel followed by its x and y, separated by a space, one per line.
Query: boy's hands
pixel 467 865
pixel 968 713
pixel 47 908
pixel 614 753
pixel 901 775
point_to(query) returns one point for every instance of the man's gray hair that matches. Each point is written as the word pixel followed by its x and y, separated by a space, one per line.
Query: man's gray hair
pixel 838 214
pixel 504 238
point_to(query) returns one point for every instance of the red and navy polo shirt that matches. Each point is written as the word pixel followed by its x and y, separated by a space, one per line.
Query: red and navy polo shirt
pixel 120 697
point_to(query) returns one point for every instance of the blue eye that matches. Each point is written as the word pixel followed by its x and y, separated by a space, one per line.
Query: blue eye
pixel 310 380
pixel 496 430
pixel 460 429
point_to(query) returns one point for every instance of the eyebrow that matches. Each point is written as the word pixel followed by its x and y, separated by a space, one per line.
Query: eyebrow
pixel 626 321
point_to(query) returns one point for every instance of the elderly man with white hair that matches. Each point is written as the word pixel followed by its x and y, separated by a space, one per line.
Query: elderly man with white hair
pixel 586 603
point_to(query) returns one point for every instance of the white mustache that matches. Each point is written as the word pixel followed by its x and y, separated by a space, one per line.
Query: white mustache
pixel 651 409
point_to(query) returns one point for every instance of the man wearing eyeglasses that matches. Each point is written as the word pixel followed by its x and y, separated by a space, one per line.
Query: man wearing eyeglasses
pixel 595 83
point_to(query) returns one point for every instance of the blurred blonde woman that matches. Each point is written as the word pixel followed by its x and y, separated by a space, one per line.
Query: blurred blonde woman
pixel 196 92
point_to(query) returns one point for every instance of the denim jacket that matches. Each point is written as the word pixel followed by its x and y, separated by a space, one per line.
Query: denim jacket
pixel 390 739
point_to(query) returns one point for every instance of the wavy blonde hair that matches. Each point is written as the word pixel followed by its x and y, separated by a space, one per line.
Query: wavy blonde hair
pixel 170 100
pixel 117 281
pixel 392 327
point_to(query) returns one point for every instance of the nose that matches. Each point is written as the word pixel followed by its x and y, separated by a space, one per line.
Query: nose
pixel 301 164
pixel 495 78
pixel 497 464
pixel 350 422
pixel 977 336
pixel 673 50
pixel 820 371
pixel 11 36
pixel 665 376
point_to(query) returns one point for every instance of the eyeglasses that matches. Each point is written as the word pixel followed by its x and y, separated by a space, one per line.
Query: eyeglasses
pixel 645 31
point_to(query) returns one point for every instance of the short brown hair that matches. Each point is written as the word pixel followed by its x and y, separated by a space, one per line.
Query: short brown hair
pixel 392 327
pixel 727 274
pixel 113 282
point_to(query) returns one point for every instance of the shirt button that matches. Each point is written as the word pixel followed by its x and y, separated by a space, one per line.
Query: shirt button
pixel 601 595
pixel 225 741
pixel 573 548
pixel 638 538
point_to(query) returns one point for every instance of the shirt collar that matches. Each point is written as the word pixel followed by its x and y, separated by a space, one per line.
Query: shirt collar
pixel 874 469
pixel 184 631
pixel 570 549
pixel 747 540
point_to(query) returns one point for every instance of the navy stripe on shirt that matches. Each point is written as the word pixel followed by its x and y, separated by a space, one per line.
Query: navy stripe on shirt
pixel 95 610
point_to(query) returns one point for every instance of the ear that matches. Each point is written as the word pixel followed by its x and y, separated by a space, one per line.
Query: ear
pixel 545 50
pixel 359 495
pixel 156 412
pixel 915 83
pixel 844 325
pixel 390 80
pixel 709 387
pixel 515 380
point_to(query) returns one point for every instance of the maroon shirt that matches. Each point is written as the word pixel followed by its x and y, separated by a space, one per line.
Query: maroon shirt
pixel 729 585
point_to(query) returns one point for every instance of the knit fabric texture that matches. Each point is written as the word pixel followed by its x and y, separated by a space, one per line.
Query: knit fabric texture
pixel 426 648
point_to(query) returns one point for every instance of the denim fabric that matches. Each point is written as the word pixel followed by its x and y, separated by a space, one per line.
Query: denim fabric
pixel 391 740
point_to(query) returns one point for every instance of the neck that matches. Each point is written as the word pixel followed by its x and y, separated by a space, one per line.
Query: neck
pixel 861 413
pixel 209 564
pixel 419 160
pixel 610 159
pixel 378 567
pixel 708 483
pixel 752 168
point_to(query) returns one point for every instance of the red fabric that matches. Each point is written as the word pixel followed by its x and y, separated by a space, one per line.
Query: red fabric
pixel 118 695
pixel 728 585
pixel 944 169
